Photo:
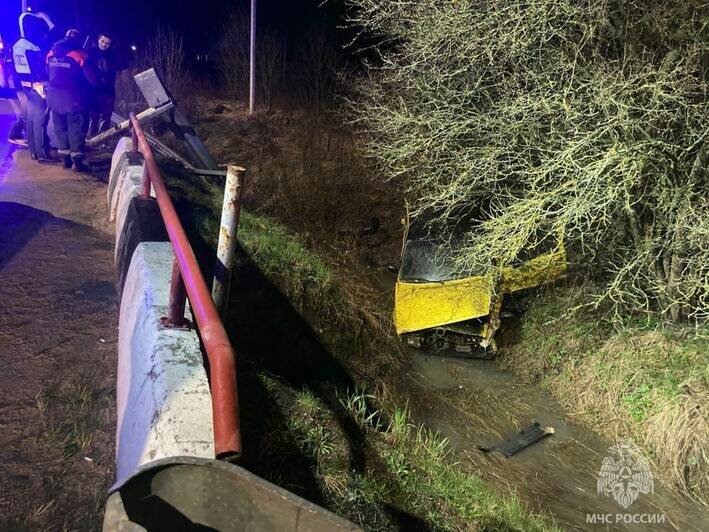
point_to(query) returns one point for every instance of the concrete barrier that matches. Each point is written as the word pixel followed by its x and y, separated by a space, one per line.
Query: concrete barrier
pixel 124 183
pixel 119 163
pixel 163 397
pixel 195 494
pixel 124 145
pixel 166 478
pixel 142 223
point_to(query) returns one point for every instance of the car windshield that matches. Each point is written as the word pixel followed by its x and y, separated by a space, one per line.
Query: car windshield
pixel 431 260
pixel 433 243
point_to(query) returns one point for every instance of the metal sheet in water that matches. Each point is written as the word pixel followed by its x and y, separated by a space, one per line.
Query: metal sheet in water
pixel 521 440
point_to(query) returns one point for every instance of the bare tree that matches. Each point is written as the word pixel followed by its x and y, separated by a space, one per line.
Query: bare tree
pixel 164 52
pixel 269 64
pixel 318 68
pixel 233 53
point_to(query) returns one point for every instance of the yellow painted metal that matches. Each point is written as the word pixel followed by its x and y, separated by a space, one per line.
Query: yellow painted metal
pixel 535 272
pixel 421 305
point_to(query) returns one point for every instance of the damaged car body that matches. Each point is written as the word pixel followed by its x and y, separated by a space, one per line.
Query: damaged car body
pixel 441 309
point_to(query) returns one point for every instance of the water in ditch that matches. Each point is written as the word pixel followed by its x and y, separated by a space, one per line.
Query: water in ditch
pixel 472 403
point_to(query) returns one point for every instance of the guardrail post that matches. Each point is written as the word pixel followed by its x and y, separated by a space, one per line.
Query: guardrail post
pixel 223 271
pixel 145 188
pixel 178 299
pixel 134 138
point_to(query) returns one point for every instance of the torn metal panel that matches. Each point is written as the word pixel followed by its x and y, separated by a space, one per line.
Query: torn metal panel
pixel 520 440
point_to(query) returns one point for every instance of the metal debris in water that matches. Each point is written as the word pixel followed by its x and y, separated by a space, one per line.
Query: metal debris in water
pixel 520 440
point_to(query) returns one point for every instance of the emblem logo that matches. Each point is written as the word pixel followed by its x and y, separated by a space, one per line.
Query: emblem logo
pixel 624 475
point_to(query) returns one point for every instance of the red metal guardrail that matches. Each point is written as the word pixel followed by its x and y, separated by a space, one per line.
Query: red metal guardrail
pixel 187 277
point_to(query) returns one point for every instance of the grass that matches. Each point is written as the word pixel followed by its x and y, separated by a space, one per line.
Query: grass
pixel 410 475
pixel 642 382
pixel 72 432
pixel 283 259
pixel 639 381
pixel 420 462
pixel 71 413
pixel 302 169
pixel 317 440
pixel 341 309
pixel 278 253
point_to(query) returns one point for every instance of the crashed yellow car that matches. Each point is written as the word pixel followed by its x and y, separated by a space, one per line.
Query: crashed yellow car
pixel 441 310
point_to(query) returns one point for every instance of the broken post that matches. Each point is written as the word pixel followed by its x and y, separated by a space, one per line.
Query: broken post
pixel 150 112
pixel 223 270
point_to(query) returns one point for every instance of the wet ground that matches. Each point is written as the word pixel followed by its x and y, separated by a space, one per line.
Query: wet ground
pixel 58 330
pixel 473 403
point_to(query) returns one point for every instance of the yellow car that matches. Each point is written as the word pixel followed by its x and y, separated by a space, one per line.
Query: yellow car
pixel 437 309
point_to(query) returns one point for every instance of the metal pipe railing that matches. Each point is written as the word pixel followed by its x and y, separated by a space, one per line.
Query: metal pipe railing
pixel 222 365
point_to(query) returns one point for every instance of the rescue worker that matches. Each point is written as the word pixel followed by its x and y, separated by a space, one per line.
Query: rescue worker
pixel 67 97
pixel 28 56
pixel 104 63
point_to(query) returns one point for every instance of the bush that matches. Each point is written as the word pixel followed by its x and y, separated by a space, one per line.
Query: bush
pixel 548 117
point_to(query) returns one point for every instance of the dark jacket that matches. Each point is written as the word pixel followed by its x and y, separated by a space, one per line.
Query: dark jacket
pixel 105 65
pixel 69 77
pixel 35 59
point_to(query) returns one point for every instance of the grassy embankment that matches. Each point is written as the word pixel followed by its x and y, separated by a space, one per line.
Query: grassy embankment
pixel 409 477
pixel 640 381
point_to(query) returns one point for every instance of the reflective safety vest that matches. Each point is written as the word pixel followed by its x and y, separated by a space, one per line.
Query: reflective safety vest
pixel 23 66
pixel 19 55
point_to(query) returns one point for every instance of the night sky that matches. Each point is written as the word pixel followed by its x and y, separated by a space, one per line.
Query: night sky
pixel 131 21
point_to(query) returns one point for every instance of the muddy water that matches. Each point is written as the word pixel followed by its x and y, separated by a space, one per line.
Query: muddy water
pixel 472 403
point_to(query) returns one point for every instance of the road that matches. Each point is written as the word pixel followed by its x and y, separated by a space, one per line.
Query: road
pixel 58 330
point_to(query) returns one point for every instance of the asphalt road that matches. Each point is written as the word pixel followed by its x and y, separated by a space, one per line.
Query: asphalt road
pixel 58 330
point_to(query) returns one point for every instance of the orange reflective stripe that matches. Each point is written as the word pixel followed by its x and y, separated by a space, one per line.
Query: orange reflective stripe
pixel 78 56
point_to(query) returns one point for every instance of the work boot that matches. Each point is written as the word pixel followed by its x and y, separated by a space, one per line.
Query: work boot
pixel 46 159
pixel 79 166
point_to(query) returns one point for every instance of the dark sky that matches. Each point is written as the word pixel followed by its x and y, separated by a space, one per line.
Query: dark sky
pixel 197 20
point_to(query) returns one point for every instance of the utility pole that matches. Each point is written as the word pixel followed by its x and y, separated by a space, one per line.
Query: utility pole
pixel 252 54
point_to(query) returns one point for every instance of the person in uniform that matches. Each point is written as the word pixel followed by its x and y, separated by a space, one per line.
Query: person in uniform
pixel 68 91
pixel 28 57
